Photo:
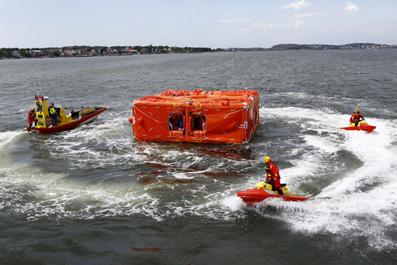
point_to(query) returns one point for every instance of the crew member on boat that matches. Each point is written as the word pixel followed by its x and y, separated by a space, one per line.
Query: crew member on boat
pixel 53 114
pixel 175 121
pixel 272 175
pixel 31 119
pixel 180 121
pixel 356 117
pixel 199 121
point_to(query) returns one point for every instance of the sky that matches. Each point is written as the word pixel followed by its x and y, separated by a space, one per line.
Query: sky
pixel 204 23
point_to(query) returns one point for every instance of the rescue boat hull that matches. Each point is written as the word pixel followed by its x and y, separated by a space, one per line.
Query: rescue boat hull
pixel 71 125
pixel 367 128
pixel 251 196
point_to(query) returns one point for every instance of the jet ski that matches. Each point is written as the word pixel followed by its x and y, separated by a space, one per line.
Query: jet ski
pixel 264 191
pixel 362 126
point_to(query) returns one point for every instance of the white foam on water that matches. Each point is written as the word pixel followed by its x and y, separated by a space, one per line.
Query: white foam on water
pixel 181 175
pixel 104 143
pixel 360 203
pixel 303 170
pixel 304 95
pixel 323 145
pixel 9 136
pixel 60 196
pixel 323 119
pixel 310 163
pixel 234 203
pixel 57 196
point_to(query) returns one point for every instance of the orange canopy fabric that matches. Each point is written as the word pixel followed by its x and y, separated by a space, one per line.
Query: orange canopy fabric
pixel 196 116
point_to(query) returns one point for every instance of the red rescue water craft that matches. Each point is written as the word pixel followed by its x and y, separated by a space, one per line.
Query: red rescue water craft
pixel 264 191
pixel 362 126
pixel 258 195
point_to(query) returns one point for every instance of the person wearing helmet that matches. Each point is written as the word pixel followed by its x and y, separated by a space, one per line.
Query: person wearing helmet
pixel 356 117
pixel 272 175
pixel 31 119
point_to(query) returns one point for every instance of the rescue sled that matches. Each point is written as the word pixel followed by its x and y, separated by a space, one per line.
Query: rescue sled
pixel 264 191
pixel 362 126
pixel 196 116
pixel 65 121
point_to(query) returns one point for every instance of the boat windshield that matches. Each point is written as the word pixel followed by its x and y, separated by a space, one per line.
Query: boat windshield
pixel 39 107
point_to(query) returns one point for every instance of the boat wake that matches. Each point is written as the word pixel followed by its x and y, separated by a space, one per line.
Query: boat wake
pixel 359 200
pixel 7 137
pixel 351 174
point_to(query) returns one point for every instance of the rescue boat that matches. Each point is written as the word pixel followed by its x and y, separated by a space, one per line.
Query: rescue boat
pixel 362 126
pixel 196 116
pixel 65 121
pixel 264 191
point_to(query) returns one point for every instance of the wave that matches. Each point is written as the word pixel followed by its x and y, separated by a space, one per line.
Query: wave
pixel 349 199
pixel 8 137
pixel 33 191
pixel 360 202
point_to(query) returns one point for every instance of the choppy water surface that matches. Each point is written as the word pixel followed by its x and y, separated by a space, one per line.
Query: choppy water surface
pixel 95 196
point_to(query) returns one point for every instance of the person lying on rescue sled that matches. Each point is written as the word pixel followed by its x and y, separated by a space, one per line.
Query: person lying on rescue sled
pixel 272 175
pixel 356 117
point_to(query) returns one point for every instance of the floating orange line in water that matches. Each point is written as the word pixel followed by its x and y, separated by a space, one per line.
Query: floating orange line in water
pixel 149 250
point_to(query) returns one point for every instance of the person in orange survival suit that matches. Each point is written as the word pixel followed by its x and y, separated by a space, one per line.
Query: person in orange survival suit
pixel 272 175
pixel 356 117
pixel 31 119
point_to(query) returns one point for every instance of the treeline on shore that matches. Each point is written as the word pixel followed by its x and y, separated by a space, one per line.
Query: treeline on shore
pixel 88 51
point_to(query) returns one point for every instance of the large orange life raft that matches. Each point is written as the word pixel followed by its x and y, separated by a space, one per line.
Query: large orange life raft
pixel 196 116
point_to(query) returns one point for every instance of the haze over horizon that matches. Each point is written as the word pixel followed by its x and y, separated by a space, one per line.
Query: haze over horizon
pixel 204 23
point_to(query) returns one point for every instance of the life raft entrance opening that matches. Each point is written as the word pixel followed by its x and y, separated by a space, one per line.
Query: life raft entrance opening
pixel 199 121
pixel 176 121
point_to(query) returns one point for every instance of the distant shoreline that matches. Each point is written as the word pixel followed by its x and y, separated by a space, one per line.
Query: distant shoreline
pixel 99 51
pixel 292 46
pixel 93 51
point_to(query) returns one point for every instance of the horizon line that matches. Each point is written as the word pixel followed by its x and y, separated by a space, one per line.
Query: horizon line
pixel 192 46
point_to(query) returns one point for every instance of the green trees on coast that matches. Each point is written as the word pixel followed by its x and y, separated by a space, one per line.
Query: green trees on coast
pixel 88 51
